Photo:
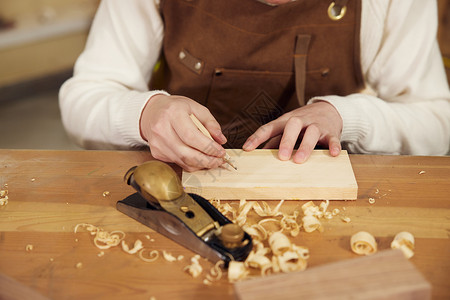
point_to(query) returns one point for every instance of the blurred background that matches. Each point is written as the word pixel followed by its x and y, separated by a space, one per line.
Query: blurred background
pixel 39 43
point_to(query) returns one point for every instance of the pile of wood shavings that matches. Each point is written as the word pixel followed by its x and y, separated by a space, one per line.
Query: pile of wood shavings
pixel 273 252
pixel 105 240
pixel 4 195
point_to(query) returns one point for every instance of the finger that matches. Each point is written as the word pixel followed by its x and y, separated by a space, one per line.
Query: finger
pixel 264 133
pixel 290 135
pixel 192 160
pixel 273 143
pixel 309 141
pixel 207 119
pixel 334 144
pixel 168 147
pixel 190 135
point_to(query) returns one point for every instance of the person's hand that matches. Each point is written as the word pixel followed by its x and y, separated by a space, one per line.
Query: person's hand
pixel 319 123
pixel 173 137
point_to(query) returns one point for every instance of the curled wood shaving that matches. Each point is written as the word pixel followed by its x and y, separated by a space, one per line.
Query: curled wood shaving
pixel 291 261
pixel 103 239
pixel 169 257
pixel 4 196
pixel 363 243
pixel 194 269
pixel 405 242
pixel 151 257
pixel 137 246
pixel 237 271
pixel 289 224
pixel 244 209
pixel 266 211
pixel 311 223
pixel 29 247
pixel 279 243
pixel 215 273
pixel 257 231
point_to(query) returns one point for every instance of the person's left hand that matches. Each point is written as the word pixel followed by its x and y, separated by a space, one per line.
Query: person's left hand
pixel 319 123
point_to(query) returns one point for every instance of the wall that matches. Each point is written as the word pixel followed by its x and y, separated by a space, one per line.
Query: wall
pixel 45 38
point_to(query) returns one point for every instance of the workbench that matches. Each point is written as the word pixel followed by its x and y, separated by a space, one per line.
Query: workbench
pixel 50 192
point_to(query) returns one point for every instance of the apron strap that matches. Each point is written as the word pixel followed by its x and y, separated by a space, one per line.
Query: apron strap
pixel 300 55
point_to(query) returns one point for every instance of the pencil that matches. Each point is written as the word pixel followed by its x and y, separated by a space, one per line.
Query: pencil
pixel 205 131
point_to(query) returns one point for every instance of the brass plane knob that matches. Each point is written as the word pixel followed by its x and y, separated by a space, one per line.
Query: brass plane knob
pixel 231 235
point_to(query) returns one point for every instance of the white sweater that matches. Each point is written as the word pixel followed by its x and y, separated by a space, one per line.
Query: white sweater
pixel 406 111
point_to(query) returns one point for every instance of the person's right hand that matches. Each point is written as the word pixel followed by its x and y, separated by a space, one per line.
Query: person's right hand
pixel 173 137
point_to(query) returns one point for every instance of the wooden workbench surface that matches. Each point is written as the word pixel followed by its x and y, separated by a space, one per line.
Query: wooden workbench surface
pixel 52 191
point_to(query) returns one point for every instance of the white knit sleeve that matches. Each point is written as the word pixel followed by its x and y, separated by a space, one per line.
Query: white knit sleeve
pixel 102 103
pixel 408 108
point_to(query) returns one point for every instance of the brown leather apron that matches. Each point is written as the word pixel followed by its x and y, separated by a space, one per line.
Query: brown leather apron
pixel 249 62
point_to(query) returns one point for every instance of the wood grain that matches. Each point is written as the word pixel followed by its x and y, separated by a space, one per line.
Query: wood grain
pixel 68 189
pixel 261 175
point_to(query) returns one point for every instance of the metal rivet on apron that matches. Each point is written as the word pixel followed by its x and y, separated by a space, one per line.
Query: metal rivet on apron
pixel 218 72
pixel 336 12
pixel 325 72
pixel 182 55
pixel 198 66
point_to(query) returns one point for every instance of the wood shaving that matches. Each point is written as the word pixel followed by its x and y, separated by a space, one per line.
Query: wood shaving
pixel 279 243
pixel 311 223
pixel 335 211
pixel 244 209
pixel 100 254
pixel 180 257
pixel 137 247
pixel 345 219
pixel 169 257
pixel 151 257
pixel 4 196
pixel 103 239
pixel 29 247
pixel 371 200
pixel 215 273
pixel 106 193
pixel 405 242
pixel 79 265
pixel 422 172
pixel 207 282
pixel 363 243
pixel 266 211
pixel 237 271
pixel 194 269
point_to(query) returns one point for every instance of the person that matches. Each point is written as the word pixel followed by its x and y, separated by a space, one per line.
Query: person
pixel 366 76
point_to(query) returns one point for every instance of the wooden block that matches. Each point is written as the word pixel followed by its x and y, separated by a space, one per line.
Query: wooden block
pixel 386 275
pixel 261 175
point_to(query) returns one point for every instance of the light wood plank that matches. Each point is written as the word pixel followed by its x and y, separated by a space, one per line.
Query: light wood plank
pixel 387 275
pixel 260 175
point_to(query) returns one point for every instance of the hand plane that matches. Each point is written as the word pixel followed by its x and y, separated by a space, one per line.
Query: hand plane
pixel 189 219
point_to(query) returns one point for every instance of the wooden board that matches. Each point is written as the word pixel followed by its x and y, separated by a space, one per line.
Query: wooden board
pixel 262 176
pixel 386 275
